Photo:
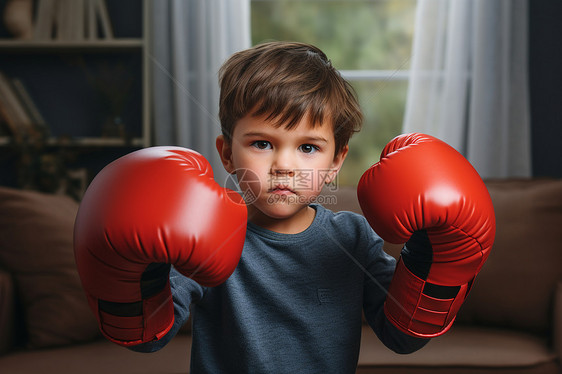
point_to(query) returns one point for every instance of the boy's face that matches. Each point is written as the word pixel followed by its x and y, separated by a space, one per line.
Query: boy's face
pixel 280 171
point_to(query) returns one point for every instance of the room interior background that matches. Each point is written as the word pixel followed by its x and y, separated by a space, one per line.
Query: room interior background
pixel 508 124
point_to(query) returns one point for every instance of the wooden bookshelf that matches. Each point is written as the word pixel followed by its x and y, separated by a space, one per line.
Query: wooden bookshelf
pixel 14 51
pixel 74 83
pixel 17 46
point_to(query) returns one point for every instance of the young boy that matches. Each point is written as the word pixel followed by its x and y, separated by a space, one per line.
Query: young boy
pixel 292 299
pixel 295 301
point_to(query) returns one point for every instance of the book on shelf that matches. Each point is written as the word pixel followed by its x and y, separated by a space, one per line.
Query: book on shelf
pixel 13 112
pixel 29 106
pixel 18 109
pixel 72 20
pixel 101 11
pixel 44 24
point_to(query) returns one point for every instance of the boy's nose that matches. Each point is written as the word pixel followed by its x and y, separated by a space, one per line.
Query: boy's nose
pixel 282 165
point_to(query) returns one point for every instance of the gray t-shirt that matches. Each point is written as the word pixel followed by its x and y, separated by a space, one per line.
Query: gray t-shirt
pixel 294 302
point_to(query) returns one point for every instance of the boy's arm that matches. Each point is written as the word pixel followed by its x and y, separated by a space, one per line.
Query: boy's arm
pixel 380 268
pixel 184 292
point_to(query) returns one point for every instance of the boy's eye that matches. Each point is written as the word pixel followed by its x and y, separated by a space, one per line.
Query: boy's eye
pixel 261 144
pixel 308 148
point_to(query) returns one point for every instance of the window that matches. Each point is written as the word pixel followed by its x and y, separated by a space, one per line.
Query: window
pixel 369 41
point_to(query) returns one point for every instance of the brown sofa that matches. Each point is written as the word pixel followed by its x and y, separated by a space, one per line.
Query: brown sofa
pixel 510 323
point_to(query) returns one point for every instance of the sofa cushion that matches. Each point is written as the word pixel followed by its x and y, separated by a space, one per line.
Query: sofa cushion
pixel 463 350
pixel 100 357
pixel 340 198
pixel 36 233
pixel 515 288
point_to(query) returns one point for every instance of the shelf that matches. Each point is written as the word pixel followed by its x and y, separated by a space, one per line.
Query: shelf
pixel 95 142
pixel 85 142
pixel 118 44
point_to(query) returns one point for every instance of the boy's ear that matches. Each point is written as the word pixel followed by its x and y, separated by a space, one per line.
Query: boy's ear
pixel 339 158
pixel 225 152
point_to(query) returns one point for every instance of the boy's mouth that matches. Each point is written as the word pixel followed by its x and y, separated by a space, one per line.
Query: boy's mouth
pixel 281 189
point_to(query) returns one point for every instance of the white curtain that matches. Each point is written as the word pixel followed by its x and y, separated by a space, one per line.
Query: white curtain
pixel 190 39
pixel 469 82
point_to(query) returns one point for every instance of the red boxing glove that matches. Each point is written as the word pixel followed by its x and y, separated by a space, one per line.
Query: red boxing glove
pixel 425 193
pixel 145 211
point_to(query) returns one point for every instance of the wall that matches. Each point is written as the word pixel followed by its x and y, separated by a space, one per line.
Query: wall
pixel 545 73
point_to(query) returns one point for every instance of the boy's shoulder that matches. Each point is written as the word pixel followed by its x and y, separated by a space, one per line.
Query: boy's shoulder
pixel 349 228
pixel 343 219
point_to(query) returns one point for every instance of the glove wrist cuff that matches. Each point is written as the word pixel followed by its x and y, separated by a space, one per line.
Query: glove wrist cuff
pixel 153 318
pixel 413 311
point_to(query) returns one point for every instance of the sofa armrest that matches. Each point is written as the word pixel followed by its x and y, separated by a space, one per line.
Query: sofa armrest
pixel 7 312
pixel 557 330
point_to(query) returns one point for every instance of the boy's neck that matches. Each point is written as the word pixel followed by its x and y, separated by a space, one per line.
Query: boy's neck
pixel 293 225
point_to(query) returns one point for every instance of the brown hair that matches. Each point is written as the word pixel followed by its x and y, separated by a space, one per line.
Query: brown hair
pixel 286 81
